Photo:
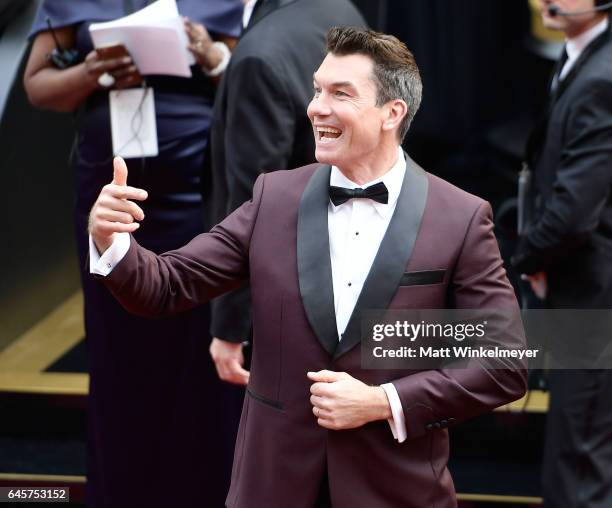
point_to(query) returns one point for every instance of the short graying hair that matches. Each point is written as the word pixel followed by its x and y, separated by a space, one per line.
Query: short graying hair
pixel 395 70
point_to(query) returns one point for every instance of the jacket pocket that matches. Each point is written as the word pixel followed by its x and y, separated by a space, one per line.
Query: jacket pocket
pixel 422 277
pixel 264 400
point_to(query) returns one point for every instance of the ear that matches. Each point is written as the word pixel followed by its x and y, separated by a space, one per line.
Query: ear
pixel 393 113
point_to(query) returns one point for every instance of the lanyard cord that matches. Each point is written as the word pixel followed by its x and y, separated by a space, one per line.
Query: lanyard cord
pixel 128 6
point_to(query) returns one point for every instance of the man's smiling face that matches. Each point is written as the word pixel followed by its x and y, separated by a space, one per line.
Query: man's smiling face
pixel 347 123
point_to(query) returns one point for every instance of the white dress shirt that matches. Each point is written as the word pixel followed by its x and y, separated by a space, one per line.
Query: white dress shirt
pixel 249 7
pixel 576 45
pixel 356 229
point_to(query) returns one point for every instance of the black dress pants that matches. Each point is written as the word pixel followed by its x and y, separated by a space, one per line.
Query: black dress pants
pixel 577 468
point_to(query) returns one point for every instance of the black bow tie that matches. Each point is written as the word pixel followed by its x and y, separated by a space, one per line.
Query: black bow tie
pixel 377 192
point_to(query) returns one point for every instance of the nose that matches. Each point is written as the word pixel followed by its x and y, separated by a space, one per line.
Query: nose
pixel 319 106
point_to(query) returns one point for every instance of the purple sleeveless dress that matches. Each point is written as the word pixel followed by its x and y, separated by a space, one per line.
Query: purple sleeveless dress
pixel 161 426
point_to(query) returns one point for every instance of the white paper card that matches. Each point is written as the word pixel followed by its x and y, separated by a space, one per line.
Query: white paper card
pixel 154 36
pixel 133 126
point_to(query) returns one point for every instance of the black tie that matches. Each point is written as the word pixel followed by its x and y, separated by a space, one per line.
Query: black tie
pixel 377 192
pixel 556 80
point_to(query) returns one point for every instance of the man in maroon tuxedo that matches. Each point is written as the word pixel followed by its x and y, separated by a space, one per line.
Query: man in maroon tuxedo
pixel 366 228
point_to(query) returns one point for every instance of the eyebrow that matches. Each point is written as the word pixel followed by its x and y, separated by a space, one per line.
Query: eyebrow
pixel 338 84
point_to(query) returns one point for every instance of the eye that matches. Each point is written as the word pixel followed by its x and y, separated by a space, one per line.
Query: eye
pixel 340 93
pixel 317 90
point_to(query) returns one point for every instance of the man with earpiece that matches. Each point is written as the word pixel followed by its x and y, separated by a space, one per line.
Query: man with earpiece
pixel 565 250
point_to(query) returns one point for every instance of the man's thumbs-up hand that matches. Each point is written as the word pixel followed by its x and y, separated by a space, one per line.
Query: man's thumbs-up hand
pixel 120 172
pixel 114 211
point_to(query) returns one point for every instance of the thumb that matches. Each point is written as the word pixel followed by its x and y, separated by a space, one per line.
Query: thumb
pixel 326 376
pixel 120 171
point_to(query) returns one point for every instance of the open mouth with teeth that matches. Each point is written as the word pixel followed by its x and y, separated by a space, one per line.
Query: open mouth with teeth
pixel 327 134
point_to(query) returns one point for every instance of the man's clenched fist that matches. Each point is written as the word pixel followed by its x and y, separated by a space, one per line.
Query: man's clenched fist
pixel 339 401
pixel 229 361
pixel 114 211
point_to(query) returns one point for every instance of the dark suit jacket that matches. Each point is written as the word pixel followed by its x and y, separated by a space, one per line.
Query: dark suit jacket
pixel 571 154
pixel 279 242
pixel 260 121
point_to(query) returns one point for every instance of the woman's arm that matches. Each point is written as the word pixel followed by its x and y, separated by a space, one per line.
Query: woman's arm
pixel 65 89
pixel 207 55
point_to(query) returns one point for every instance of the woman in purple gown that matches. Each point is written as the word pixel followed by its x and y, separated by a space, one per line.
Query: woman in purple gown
pixel 161 424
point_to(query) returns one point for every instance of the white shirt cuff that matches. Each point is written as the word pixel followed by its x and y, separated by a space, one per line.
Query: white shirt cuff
pixel 104 264
pixel 397 422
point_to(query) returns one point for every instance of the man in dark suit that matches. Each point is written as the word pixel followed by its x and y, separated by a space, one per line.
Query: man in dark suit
pixel 366 228
pixel 566 249
pixel 260 125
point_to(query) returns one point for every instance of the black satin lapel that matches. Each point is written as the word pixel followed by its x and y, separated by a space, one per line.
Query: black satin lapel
pixel 584 56
pixel 393 255
pixel 314 263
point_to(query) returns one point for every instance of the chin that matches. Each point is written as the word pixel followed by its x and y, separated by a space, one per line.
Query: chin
pixel 551 23
pixel 324 157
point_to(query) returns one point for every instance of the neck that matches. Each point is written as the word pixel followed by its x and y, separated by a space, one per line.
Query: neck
pixel 364 172
pixel 574 31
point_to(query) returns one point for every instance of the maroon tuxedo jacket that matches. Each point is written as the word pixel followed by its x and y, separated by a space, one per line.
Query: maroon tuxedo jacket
pixel 279 243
